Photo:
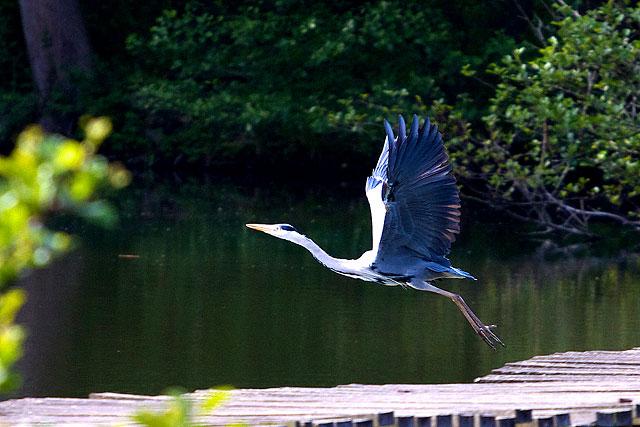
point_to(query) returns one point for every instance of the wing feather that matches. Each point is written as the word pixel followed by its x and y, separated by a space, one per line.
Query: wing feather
pixel 414 200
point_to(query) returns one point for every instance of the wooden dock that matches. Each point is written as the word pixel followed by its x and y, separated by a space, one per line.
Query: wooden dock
pixel 562 389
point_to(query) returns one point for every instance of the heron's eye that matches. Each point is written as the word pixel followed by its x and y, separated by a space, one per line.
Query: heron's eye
pixel 287 228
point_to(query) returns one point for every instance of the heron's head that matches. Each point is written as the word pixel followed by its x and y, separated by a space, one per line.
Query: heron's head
pixel 281 231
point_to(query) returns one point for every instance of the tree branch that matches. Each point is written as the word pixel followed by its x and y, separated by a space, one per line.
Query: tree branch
pixel 573 11
pixel 535 29
pixel 599 214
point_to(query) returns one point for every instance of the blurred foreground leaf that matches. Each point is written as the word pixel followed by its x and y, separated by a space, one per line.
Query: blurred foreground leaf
pixel 11 337
pixel 179 412
pixel 46 175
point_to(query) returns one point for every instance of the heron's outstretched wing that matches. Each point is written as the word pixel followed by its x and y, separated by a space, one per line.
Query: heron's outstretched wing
pixel 415 205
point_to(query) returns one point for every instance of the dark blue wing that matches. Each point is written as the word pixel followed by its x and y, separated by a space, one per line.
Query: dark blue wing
pixel 421 200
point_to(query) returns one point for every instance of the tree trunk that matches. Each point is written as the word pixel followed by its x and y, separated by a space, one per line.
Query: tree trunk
pixel 59 54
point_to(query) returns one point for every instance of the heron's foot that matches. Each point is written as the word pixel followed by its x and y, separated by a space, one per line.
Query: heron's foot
pixel 487 335
pixel 484 331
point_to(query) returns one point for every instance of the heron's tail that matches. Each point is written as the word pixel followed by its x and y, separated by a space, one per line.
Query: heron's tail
pixel 446 272
pixel 463 274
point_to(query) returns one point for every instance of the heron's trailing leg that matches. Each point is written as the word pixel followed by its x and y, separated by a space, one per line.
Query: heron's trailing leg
pixel 480 328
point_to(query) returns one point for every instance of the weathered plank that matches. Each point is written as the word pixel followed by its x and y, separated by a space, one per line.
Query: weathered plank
pixel 556 390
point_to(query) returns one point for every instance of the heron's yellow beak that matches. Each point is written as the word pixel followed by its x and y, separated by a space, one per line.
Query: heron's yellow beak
pixel 265 228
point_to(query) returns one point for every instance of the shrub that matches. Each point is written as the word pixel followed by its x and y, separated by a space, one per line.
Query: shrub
pixel 564 126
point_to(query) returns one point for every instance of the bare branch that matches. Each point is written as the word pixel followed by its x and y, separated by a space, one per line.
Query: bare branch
pixel 545 227
pixel 590 213
pixel 573 11
pixel 535 29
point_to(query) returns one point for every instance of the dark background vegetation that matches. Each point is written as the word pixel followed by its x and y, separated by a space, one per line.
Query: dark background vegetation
pixel 211 83
pixel 290 90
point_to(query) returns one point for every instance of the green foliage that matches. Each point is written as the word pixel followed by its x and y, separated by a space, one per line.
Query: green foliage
pixel 217 83
pixel 264 78
pixel 282 82
pixel 564 124
pixel 11 338
pixel 179 412
pixel 46 174
pixel 43 176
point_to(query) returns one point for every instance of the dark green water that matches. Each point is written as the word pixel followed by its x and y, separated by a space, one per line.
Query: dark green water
pixel 209 302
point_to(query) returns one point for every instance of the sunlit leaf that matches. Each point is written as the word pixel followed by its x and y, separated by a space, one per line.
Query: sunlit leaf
pixel 97 129
pixel 70 155
pixel 216 398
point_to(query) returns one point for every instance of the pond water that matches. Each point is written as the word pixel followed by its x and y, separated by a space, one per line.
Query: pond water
pixel 181 293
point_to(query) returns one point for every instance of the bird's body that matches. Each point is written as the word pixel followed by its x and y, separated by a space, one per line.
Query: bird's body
pixel 415 215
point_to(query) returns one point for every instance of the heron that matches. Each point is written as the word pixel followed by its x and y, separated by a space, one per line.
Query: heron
pixel 415 216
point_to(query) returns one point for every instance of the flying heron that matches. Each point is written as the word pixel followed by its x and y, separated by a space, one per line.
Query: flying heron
pixel 415 215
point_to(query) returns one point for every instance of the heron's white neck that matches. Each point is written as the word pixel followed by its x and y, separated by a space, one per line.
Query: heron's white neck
pixel 357 268
pixel 337 264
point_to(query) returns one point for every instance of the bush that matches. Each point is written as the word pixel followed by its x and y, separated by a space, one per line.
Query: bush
pixel 564 125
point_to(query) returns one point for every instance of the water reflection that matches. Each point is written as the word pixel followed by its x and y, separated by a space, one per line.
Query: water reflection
pixel 210 302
